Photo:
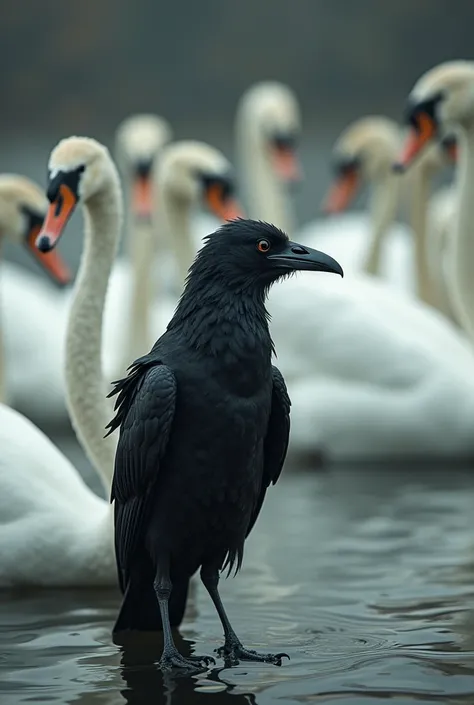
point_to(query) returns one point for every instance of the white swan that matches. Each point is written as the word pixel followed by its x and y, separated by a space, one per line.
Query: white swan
pixel 267 128
pixel 22 209
pixel 443 99
pixel 54 530
pixel 34 315
pixel 144 273
pixel 186 177
pixel 377 244
pixel 191 175
pixel 268 124
pixel 32 345
pixel 43 497
pixel 374 244
pixel 371 372
pixel 418 183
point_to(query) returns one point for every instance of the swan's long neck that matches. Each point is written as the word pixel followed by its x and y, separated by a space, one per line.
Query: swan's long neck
pixel 266 196
pixel 463 241
pixel 177 217
pixel 441 287
pixel 384 200
pixel 419 196
pixel 85 385
pixel 440 251
pixel 141 253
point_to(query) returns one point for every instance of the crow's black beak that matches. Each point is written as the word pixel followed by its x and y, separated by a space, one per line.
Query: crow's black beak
pixel 297 256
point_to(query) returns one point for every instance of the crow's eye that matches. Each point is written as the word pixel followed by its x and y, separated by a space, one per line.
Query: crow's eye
pixel 263 245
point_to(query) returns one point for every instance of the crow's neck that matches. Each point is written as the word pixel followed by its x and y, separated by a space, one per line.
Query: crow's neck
pixel 223 320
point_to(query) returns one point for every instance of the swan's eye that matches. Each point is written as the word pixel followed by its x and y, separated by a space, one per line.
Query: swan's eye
pixel 263 245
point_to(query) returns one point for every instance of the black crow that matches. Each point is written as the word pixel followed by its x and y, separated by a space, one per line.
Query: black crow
pixel 204 423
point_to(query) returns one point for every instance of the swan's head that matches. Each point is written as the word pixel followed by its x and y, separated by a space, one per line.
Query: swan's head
pixel 139 141
pixel 273 111
pixel 442 99
pixel 80 169
pixel 193 173
pixel 364 151
pixel 23 207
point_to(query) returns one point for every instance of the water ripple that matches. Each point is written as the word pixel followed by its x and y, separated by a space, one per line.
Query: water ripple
pixel 367 582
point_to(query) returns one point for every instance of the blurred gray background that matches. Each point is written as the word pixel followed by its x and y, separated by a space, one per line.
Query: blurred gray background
pixel 80 67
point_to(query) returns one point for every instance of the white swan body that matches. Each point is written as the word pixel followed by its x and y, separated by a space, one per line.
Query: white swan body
pixel 34 342
pixel 344 237
pixel 371 373
pixel 36 390
pixel 55 531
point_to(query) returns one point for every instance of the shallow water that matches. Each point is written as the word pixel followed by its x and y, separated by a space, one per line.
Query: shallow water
pixel 365 576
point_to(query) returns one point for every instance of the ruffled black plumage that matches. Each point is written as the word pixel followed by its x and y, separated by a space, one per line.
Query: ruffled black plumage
pixel 204 426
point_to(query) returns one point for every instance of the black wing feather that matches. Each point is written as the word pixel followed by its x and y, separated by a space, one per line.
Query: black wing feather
pixel 145 411
pixel 276 441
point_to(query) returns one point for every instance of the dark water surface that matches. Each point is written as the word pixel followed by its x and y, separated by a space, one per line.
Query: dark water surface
pixel 365 576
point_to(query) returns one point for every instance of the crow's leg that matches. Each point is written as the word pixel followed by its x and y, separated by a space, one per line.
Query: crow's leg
pixel 233 650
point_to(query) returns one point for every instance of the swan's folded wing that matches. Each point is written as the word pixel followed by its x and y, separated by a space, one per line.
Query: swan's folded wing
pixel 276 440
pixel 147 418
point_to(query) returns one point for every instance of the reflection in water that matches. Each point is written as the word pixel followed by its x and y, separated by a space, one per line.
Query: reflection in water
pixel 364 575
pixel 143 681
